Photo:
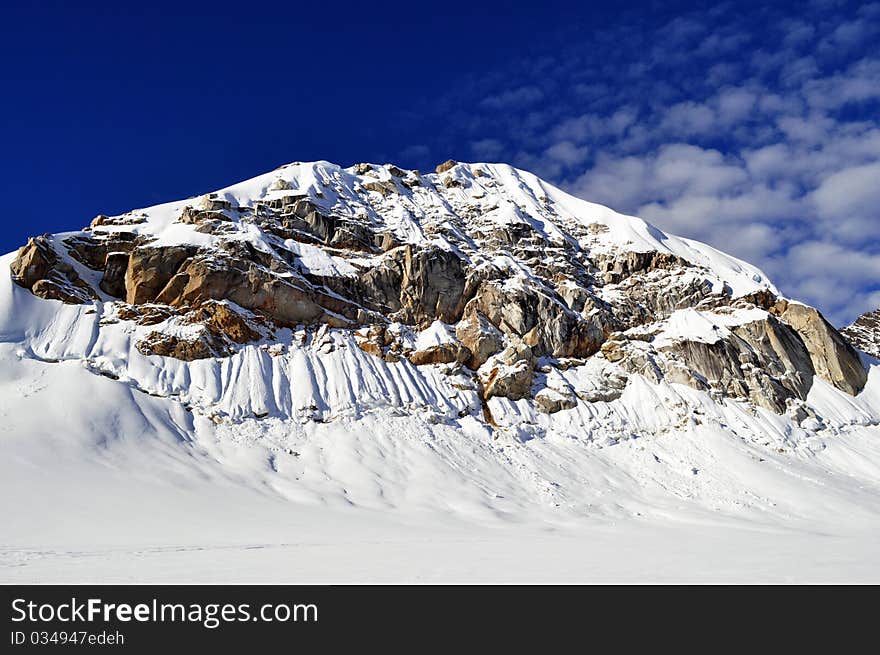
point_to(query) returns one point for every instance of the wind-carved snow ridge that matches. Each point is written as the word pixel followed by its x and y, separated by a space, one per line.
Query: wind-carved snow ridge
pixel 473 342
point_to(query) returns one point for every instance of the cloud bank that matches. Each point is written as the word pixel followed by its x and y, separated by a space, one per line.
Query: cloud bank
pixel 749 128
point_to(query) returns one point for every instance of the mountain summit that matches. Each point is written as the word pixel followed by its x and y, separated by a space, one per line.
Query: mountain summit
pixel 502 284
pixel 329 373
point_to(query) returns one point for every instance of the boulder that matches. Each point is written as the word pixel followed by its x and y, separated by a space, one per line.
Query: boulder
pixel 38 268
pixel 480 337
pixel 34 262
pixel 509 374
pixel 551 401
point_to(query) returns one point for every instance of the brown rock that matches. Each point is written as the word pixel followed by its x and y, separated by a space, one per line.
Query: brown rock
pixel 445 166
pixel 444 353
pixel 480 337
pixel 224 320
pixel 167 345
pixel 33 262
pixel 509 374
pixel 150 269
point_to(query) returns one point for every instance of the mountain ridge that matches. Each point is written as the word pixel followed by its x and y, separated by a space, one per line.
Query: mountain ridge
pixel 344 366
pixel 864 333
pixel 507 275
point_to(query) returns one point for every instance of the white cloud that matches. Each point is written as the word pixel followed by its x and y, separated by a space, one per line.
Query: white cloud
pixel 687 119
pixel 764 141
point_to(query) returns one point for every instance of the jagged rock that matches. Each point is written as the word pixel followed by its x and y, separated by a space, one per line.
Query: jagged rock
pixel 33 262
pixel 169 345
pixel 384 187
pixel 38 268
pixel 444 353
pixel 445 166
pixel 480 337
pixel 617 267
pixel 280 184
pixel 193 216
pixel 418 286
pixel 864 334
pixel 145 314
pixel 92 251
pixel 834 360
pixel 224 320
pixel 546 324
pixel 102 220
pixel 113 280
pixel 607 387
pixel 74 293
pixel 551 401
pixel 353 236
pixel 286 300
pixel 150 268
pixel 764 361
pixel 509 374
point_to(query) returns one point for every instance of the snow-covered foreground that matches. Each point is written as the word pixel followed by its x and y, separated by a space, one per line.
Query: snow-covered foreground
pixel 146 491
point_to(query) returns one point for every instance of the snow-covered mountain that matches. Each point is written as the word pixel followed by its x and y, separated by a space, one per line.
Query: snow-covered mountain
pixel 472 343
pixel 864 334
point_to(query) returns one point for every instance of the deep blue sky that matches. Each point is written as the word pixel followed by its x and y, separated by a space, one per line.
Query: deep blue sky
pixel 727 123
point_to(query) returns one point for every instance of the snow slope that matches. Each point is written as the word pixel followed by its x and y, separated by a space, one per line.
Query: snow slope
pixel 309 460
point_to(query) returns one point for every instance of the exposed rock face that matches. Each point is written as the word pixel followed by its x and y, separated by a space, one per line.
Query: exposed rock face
pixel 509 374
pixel 834 359
pixel 38 268
pixel 113 280
pixel 218 324
pixel 551 401
pixel 765 361
pixel 444 353
pixel 418 286
pixel 480 337
pixel 543 322
pixel 864 334
pixel 524 284
pixel 150 269
pixel 33 263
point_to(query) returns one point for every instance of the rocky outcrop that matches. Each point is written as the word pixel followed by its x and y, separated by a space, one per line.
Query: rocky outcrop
pixel 617 267
pixel 149 270
pixel 543 322
pixel 219 327
pixel 444 353
pixel 113 280
pixel 833 358
pixel 480 337
pixel 765 361
pixel 34 262
pixel 445 166
pixel 418 285
pixel 38 268
pixel 864 334
pixel 385 253
pixel 509 374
